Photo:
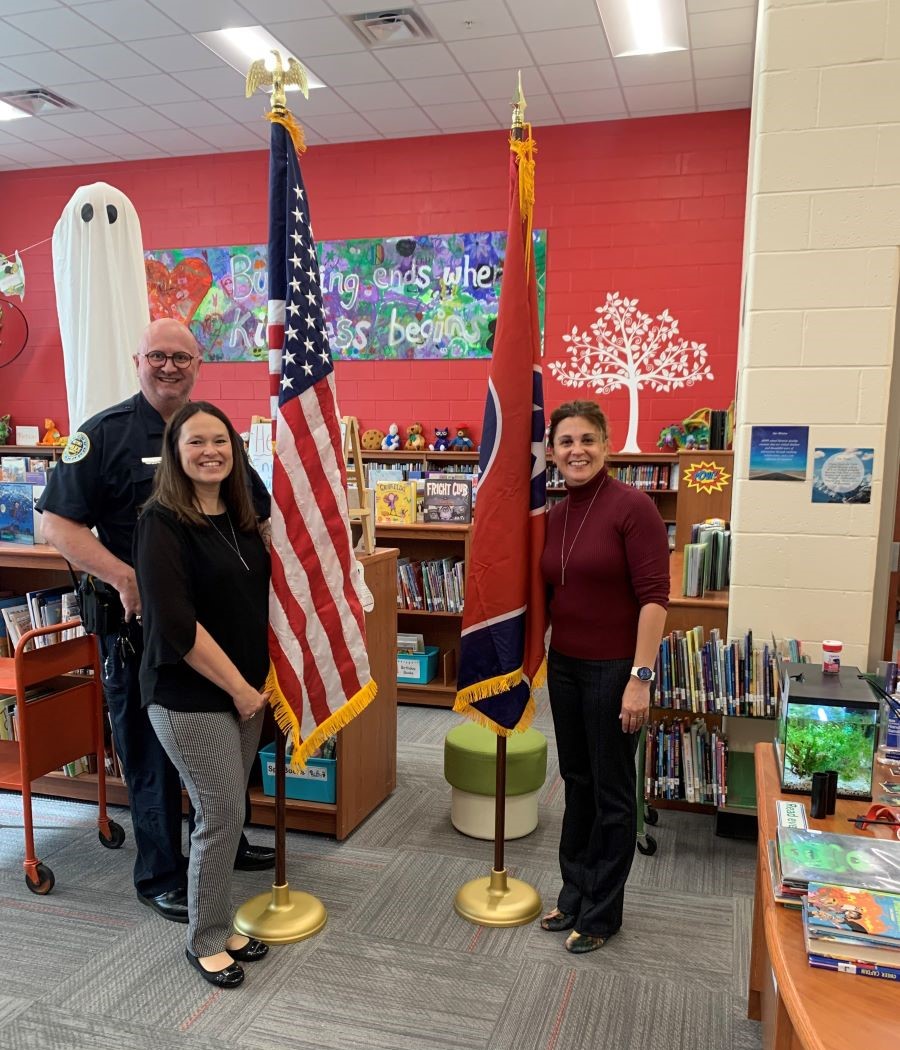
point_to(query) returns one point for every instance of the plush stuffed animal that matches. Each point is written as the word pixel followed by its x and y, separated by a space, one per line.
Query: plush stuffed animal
pixel 671 438
pixel 372 439
pixel 414 440
pixel 462 442
pixel 4 429
pixel 441 439
pixel 391 440
pixel 51 433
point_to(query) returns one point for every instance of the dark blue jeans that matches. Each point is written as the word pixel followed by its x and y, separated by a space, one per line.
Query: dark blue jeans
pixel 596 762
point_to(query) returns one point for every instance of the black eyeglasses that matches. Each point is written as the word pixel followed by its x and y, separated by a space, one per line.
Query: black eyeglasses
pixel 180 359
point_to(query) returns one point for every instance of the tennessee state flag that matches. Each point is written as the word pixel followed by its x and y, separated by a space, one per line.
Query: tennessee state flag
pixel 505 618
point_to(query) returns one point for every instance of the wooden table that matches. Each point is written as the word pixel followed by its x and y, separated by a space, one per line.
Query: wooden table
pixel 802 1008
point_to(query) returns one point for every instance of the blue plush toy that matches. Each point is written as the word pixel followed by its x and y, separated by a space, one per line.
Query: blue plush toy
pixel 441 439
pixel 462 442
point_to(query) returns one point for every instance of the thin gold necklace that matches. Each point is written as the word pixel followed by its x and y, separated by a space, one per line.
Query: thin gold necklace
pixel 563 557
pixel 234 546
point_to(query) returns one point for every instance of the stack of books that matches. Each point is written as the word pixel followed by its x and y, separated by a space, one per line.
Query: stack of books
pixel 686 760
pixel 437 585
pixel 804 857
pixel 852 930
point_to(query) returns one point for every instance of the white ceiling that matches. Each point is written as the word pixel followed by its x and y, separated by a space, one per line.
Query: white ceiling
pixel 146 88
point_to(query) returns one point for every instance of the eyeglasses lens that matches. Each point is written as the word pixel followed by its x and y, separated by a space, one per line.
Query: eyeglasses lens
pixel 180 359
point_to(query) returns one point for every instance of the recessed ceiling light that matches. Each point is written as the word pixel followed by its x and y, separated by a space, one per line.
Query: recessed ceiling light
pixel 644 27
pixel 8 112
pixel 239 47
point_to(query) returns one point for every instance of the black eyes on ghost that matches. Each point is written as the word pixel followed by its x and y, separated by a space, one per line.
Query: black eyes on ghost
pixel 87 212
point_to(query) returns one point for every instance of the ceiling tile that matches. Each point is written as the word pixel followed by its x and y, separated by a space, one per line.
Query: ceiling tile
pixel 156 89
pixel 654 69
pixel 720 28
pixel 49 69
pixel 193 114
pixel 82 125
pixel 29 154
pixel 426 90
pixel 110 60
pixel 228 136
pixel 266 11
pixel 94 94
pixel 78 150
pixel 247 110
pixel 540 110
pixel 129 19
pixel 396 122
pixel 729 61
pixel 376 96
pixel 644 98
pixel 178 140
pixel 201 16
pixel 501 83
pixel 496 52
pixel 316 36
pixel 458 115
pixel 588 103
pixel 139 119
pixel 354 68
pixel 261 130
pixel 13 7
pixel 569 45
pixel 59 28
pixel 14 42
pixel 469 19
pixel 718 90
pixel 10 80
pixel 175 53
pixel 533 16
pixel 222 82
pixel 38 130
pixel 338 125
pixel 124 145
pixel 580 76
pixel 418 60
pixel 321 102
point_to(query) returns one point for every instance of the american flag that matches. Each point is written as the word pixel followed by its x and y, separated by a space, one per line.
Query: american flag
pixel 317 637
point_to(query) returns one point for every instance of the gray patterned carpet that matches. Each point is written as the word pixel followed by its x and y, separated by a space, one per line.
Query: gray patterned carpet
pixel 394 969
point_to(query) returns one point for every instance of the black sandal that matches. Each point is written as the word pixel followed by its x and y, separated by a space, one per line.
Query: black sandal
pixel 557 921
pixel 579 943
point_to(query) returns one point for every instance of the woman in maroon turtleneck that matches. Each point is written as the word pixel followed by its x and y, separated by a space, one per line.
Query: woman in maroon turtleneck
pixel 606 566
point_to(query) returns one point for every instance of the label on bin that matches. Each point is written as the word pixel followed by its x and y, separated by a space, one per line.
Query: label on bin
pixel 408 667
pixel 307 773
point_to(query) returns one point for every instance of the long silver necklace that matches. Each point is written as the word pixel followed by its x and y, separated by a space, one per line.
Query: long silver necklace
pixel 234 546
pixel 563 557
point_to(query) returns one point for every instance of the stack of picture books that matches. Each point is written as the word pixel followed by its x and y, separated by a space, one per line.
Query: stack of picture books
pixel 852 930
pixel 736 678
pixel 684 759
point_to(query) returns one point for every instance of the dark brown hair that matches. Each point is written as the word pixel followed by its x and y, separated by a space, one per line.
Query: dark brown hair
pixel 588 410
pixel 173 489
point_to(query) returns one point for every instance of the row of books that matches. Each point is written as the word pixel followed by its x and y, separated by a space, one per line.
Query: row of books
pixel 447 500
pixel 707 560
pixel 685 759
pixel 39 608
pixel 434 586
pixel 27 470
pixel 734 678
pixel 852 930
pixel 414 471
pixel 650 477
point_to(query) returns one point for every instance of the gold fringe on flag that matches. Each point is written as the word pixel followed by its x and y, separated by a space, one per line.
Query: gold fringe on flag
pixel 289 122
pixel 289 724
pixel 468 697
pixel 525 149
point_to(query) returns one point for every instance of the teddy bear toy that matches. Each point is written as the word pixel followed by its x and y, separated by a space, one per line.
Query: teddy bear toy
pixel 415 442
pixel 372 439
pixel 391 440
pixel 441 439
pixel 462 442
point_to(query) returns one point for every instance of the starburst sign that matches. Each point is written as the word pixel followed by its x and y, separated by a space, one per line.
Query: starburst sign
pixel 706 477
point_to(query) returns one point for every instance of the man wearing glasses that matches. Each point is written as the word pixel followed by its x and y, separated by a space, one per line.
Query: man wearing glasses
pixel 103 479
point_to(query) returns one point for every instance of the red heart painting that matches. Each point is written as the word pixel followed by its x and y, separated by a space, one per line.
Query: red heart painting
pixel 177 292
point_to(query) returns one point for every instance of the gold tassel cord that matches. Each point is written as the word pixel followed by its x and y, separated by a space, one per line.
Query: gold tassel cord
pixel 289 724
pixel 289 122
pixel 525 149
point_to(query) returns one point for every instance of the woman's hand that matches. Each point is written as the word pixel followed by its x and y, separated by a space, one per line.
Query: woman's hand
pixel 635 705
pixel 250 702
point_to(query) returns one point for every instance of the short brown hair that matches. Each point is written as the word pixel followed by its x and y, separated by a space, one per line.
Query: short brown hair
pixel 588 410
pixel 172 488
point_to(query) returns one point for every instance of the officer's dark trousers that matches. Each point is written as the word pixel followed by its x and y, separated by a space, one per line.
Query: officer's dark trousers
pixel 596 762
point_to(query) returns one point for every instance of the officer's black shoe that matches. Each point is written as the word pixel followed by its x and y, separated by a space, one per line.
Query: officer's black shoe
pixel 171 905
pixel 254 858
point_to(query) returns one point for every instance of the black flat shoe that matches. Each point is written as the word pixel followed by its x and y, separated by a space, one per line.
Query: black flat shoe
pixel 254 858
pixel 230 977
pixel 579 943
pixel 251 951
pixel 557 921
pixel 171 905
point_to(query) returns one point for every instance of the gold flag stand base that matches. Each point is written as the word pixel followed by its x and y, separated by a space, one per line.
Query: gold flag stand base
pixel 283 916
pixel 497 901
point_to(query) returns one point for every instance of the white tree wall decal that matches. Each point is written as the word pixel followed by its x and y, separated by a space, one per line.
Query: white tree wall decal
pixel 626 347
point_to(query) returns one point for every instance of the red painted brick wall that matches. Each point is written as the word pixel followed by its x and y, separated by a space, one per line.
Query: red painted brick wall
pixel 650 208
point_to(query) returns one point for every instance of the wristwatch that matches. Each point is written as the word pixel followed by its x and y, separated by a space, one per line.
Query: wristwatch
pixel 643 674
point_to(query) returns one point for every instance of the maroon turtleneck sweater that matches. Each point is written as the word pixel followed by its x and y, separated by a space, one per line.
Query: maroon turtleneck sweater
pixel 618 563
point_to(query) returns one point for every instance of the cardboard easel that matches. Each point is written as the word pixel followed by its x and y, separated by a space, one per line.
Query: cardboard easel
pixel 362 514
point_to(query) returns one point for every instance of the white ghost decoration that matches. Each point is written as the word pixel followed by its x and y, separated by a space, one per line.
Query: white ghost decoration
pixel 101 298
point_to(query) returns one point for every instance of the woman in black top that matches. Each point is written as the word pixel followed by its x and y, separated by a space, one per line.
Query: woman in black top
pixel 203 574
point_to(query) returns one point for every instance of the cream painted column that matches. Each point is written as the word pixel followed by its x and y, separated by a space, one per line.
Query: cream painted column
pixel 820 326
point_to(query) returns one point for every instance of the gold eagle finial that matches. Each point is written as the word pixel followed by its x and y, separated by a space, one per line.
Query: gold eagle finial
pixel 279 77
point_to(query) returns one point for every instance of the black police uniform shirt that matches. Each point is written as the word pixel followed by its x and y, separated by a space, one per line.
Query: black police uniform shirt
pixel 106 474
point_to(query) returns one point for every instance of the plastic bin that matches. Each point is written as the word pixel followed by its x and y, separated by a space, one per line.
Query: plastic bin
pixel 417 668
pixel 316 782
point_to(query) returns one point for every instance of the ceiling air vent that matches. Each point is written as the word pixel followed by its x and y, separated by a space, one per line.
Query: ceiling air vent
pixel 391 28
pixel 39 102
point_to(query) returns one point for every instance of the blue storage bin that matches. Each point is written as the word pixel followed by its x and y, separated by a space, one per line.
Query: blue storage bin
pixel 417 668
pixel 316 782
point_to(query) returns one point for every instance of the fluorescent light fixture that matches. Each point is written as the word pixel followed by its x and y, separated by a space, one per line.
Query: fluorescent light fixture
pixel 240 47
pixel 644 27
pixel 8 112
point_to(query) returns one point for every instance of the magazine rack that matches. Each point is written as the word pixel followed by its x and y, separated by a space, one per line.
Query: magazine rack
pixel 59 718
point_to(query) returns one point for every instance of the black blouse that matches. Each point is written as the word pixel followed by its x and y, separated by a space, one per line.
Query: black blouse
pixel 189 574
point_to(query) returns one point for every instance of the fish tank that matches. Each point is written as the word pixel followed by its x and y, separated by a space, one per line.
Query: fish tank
pixel 827 721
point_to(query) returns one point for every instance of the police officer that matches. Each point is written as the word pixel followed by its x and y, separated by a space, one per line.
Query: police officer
pixel 104 477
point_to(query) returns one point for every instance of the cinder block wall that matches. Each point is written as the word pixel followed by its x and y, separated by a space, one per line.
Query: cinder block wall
pixel 819 319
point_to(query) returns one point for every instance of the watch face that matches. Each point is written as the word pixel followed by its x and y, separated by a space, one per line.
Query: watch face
pixel 645 674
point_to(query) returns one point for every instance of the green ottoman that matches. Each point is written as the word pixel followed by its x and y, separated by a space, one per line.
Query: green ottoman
pixel 470 767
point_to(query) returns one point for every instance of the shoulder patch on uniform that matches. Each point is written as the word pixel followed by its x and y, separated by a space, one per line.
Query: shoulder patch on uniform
pixel 78 446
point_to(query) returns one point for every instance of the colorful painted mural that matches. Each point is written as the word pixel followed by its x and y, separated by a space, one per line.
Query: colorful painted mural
pixel 394 298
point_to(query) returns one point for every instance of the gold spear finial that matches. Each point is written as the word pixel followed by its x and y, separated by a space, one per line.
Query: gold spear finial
pixel 258 75
pixel 518 106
